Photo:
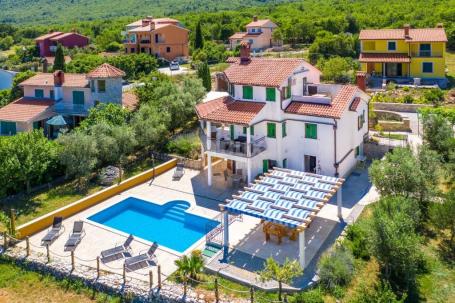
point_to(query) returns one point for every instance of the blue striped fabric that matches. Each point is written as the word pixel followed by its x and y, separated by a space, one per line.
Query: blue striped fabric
pixel 295 195
pixel 250 196
pixel 270 180
pixel 306 203
pixel 283 204
pixel 281 188
pixel 261 204
pixel 260 188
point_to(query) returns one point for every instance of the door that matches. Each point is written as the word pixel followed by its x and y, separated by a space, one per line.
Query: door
pixel 78 98
pixel 310 164
pixel 265 166
pixel 394 69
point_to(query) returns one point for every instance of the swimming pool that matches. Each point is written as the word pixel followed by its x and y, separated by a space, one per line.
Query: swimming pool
pixel 169 224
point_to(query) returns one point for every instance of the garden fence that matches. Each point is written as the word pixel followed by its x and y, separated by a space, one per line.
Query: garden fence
pixel 92 271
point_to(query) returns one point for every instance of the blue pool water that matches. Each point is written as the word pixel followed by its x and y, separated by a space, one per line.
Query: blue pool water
pixel 169 224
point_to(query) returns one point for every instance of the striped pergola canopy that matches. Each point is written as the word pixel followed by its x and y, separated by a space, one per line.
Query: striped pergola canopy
pixel 287 197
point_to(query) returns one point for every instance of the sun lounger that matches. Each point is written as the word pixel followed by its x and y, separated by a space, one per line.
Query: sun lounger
pixel 76 236
pixel 117 252
pixel 179 171
pixel 54 232
pixel 141 260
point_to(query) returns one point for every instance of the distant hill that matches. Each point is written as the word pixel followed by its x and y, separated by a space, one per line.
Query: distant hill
pixel 62 11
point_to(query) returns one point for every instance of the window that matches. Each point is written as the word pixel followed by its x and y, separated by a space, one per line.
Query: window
pixel 133 50
pixel 357 151
pixel 39 93
pixel 78 97
pixel 270 94
pixel 271 130
pixel 251 130
pixel 368 45
pixel 248 92
pixel 287 92
pixel 361 120
pixel 168 49
pixel 427 67
pixel 311 131
pixel 8 128
pixel 425 50
pixel 392 45
pixel 285 163
pixel 232 90
pixel 101 86
pixel 283 129
pixel 52 94
pixel 265 166
pixel 231 131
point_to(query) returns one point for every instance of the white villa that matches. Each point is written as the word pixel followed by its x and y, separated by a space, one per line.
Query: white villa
pixel 47 95
pixel 277 114
pixel 258 34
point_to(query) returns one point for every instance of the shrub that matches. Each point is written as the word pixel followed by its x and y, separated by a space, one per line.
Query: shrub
pixel 408 99
pixel 357 241
pixel 406 88
pixel 187 146
pixel 310 296
pixel 434 96
pixel 382 292
pixel 391 85
pixel 336 268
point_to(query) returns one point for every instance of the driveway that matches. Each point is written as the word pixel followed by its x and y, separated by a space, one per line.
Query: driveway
pixel 180 71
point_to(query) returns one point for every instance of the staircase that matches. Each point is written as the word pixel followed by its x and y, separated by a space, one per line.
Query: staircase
pixel 211 249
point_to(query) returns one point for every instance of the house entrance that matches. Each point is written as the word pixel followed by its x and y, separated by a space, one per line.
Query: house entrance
pixel 310 164
pixel 394 69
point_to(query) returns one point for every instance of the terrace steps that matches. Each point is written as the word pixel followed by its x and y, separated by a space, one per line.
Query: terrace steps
pixel 211 249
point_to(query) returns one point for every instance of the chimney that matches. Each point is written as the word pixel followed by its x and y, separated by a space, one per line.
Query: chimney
pixel 245 49
pixel 439 25
pixel 361 80
pixel 45 65
pixel 255 18
pixel 59 79
pixel 406 28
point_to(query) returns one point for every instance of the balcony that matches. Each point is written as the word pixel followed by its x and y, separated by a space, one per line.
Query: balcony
pixel 221 143
pixel 66 108
pixel 426 54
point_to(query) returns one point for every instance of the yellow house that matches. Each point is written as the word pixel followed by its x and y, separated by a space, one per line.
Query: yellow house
pixel 404 55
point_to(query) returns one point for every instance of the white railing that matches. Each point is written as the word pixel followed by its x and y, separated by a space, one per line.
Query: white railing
pixel 69 108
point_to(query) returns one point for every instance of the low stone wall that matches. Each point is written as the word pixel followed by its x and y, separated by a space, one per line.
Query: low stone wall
pixel 399 107
pixel 45 221
pixel 375 150
pixel 402 126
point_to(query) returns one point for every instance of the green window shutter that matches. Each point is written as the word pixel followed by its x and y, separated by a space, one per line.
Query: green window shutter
pixel 285 163
pixel 78 97
pixel 36 125
pixel 311 131
pixel 283 129
pixel 265 166
pixel 8 128
pixel 270 93
pixel 39 93
pixel 244 130
pixel 231 128
pixel 252 130
pixel 357 151
pixel 271 130
pixel 288 92
pixel 247 92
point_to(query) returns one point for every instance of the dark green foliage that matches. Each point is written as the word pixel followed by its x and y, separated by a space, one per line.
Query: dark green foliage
pixel 59 63
pixel 198 38
pixel 111 114
pixel 16 91
pixel 5 97
pixel 438 133
pixel 327 45
pixel 443 217
pixel 381 293
pixel 310 296
pixel 337 69
pixel 356 240
pixel 203 73
pixel 185 146
pixel 336 268
pixel 434 96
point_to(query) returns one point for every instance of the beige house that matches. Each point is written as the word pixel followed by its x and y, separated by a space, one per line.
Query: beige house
pixel 258 34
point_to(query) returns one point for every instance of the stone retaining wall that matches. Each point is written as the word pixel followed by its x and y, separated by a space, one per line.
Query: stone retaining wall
pixel 399 107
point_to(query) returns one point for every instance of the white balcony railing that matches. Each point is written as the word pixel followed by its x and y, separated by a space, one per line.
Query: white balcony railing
pixel 71 109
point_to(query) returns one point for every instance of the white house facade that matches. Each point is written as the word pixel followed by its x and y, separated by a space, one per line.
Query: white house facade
pixel 277 114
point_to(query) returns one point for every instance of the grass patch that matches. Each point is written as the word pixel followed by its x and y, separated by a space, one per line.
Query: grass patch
pixel 218 67
pixel 20 285
pixel 391 136
pixel 450 62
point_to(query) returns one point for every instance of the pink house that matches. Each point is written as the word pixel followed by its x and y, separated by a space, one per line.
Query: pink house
pixel 48 43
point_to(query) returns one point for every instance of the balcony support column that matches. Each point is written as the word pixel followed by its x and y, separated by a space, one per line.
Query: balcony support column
pixel 249 176
pixel 209 169
pixel 248 142
pixel 209 134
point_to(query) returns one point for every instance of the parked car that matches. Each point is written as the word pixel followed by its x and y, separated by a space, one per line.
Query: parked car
pixel 174 65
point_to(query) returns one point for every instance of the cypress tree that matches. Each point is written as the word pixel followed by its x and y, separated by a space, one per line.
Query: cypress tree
pixel 203 72
pixel 59 62
pixel 198 39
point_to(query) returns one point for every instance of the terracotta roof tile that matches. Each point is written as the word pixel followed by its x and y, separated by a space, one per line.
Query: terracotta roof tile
pixel 63 35
pixel 238 35
pixel 354 104
pixel 262 71
pixel 129 100
pixel 47 36
pixel 25 109
pixel 227 110
pixel 415 34
pixel 339 104
pixel 106 70
pixel 384 57
pixel 47 79
pixel 261 22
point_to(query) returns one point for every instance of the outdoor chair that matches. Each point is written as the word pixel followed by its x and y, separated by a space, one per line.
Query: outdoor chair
pixel 117 252
pixel 179 171
pixel 142 260
pixel 76 236
pixel 55 231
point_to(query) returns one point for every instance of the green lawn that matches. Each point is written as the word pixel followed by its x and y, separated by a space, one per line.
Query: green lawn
pixel 450 61
pixel 18 285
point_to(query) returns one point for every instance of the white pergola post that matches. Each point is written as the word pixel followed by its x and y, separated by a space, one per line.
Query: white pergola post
pixel 248 166
pixel 340 203
pixel 225 235
pixel 248 141
pixel 209 134
pixel 302 248
pixel 209 169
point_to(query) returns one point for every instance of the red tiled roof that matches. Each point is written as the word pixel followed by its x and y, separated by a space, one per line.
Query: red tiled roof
pixel 63 35
pixel 334 110
pixel 47 36
pixel 354 104
pixel 24 109
pixel 238 35
pixel 261 22
pixel 227 110
pixel 262 71
pixel 415 34
pixel 384 57
pixel 47 79
pixel 106 70
pixel 130 100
